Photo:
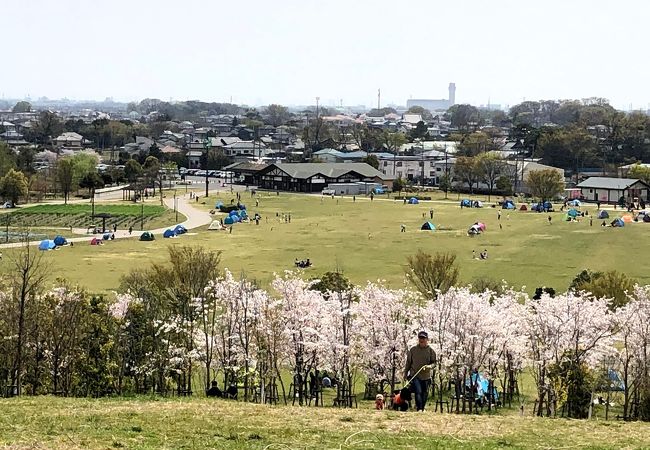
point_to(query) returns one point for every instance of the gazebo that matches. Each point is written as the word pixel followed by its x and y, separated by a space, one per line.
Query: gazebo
pixel 103 216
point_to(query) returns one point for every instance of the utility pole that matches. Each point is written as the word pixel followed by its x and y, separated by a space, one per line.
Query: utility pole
pixel 206 144
pixel 378 98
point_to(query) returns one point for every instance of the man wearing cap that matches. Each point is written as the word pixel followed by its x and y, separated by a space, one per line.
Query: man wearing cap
pixel 419 364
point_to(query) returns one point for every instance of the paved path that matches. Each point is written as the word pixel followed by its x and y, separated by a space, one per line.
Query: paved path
pixel 196 218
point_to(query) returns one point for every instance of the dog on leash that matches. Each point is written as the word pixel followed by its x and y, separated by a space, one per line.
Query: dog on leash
pixel 379 402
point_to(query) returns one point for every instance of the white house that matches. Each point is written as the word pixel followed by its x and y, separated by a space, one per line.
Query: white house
pixel 610 190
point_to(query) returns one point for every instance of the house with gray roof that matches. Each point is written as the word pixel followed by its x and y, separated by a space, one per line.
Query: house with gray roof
pixel 313 177
pixel 610 190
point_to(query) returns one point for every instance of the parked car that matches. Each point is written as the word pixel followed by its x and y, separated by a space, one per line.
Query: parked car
pixel 328 191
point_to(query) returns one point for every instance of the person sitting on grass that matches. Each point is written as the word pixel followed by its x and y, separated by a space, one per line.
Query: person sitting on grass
pixel 214 390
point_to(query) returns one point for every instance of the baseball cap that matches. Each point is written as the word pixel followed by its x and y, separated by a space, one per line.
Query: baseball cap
pixel 423 334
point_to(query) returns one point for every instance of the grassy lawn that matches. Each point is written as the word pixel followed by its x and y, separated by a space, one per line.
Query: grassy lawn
pixel 57 423
pixel 363 239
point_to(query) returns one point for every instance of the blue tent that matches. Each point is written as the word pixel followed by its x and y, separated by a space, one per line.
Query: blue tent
pixel 180 229
pixel 618 222
pixel 573 213
pixel 466 203
pixel 233 213
pixel 169 233
pixel 106 236
pixel 218 205
pixel 235 218
pixel 509 204
pixel 228 220
pixel 602 214
pixel 413 201
pixel 243 214
pixel 242 206
pixel 428 226
pixel 59 241
pixel 574 202
pixel 46 244
pixel 615 381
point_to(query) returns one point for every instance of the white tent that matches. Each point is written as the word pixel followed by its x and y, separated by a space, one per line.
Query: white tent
pixel 215 225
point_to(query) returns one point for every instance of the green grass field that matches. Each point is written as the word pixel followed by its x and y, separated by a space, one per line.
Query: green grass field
pixel 58 423
pixel 363 240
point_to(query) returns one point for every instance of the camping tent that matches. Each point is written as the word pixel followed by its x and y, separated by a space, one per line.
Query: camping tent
pixel 413 201
pixel 234 212
pixel 523 208
pixel 474 229
pixel 95 241
pixel 646 218
pixel 509 204
pixel 574 202
pixel 477 204
pixel 618 222
pixel 106 236
pixel 573 213
pixel 602 214
pixel 228 220
pixel 481 226
pixel 46 244
pixel 218 205
pixel 180 229
pixel 215 225
pixel 627 218
pixel 466 203
pixel 428 226
pixel 147 236
pixel 169 233
pixel 59 241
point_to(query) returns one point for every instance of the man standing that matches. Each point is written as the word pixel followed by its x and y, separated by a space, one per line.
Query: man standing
pixel 419 363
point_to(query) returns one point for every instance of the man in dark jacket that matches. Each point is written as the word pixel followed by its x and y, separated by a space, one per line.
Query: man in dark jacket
pixel 214 390
pixel 419 364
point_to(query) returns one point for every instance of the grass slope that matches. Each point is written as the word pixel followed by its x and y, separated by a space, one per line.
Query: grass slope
pixel 57 423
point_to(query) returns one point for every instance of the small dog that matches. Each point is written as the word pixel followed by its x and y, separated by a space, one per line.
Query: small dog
pixel 379 402
pixel 402 399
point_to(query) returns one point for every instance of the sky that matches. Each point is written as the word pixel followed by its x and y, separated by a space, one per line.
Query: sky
pixel 259 52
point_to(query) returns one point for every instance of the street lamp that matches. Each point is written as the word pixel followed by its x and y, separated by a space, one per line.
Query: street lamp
pixel 206 144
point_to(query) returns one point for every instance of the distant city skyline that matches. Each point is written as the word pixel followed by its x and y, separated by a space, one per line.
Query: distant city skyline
pixel 291 51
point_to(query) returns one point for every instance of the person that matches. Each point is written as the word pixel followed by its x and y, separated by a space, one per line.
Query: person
pixel 603 224
pixel 114 228
pixel 591 221
pixel 130 229
pixel 372 196
pixel 402 228
pixel 473 254
pixel 112 236
pixel 214 390
pixel 598 204
pixel 257 202
pixel 550 220
pixel 420 360
pixel 354 198
pixel 431 213
pixel 71 245
pixel 405 200
pixel 484 254
pixel 499 215
pixel 289 218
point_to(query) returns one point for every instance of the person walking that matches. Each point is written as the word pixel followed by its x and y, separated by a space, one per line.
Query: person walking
pixel 419 364
pixel 431 213
pixel 550 219
pixel 499 215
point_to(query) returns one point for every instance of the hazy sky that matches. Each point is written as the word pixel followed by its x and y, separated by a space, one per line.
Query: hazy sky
pixel 290 51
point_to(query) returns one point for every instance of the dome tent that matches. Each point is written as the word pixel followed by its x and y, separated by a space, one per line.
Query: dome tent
pixel 573 213
pixel 218 205
pixel 46 244
pixel 95 241
pixel 574 202
pixel 523 208
pixel 147 236
pixel 413 201
pixel 180 229
pixel 646 218
pixel 466 203
pixel 602 214
pixel 60 240
pixel 509 204
pixel 428 226
pixel 618 222
pixel 106 236
pixel 169 233
pixel 228 220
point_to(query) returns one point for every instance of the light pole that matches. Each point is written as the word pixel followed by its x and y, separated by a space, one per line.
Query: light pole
pixel 176 205
pixel 142 216
pixel 206 144
pixel 446 173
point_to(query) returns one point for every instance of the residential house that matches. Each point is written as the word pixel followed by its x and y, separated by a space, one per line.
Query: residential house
pixel 330 155
pixel 70 140
pixel 313 177
pixel 610 190
pixel 194 159
pixel 142 144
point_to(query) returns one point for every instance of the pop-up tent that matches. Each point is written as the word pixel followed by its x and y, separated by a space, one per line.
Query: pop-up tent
pixel 474 229
pixel 618 222
pixel 477 204
pixel 180 229
pixel 95 241
pixel 523 208
pixel 147 236
pixel 59 241
pixel 229 220
pixel 646 218
pixel 169 233
pixel 481 226
pixel 602 214
pixel 428 226
pixel 573 213
pixel 413 201
pixel 627 218
pixel 509 204
pixel 46 244
pixel 234 212
pixel 215 225
pixel 574 202
pixel 218 205
pixel 106 236
pixel 467 203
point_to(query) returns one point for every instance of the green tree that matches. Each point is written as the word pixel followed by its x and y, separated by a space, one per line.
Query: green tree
pixel 474 144
pixel 463 117
pixel 393 141
pixel 65 176
pixel 332 282
pixel 372 160
pixel 13 186
pixel 22 107
pixel 432 274
pixel 48 126
pixel 612 284
pixel 132 170
pixel 7 158
pixel 398 184
pixel 640 172
pixel 425 113
pixel 490 166
pixel 467 170
pixel 277 114
pixel 83 163
pixel 91 181
pixel 420 131
pixel 504 185
pixel 545 184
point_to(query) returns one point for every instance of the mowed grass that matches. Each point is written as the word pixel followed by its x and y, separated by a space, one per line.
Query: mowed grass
pixel 130 209
pixel 58 423
pixel 363 239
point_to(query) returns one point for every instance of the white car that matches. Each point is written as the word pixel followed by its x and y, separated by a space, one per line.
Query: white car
pixel 328 191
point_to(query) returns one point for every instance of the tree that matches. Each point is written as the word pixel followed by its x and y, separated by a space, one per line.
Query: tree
pixel 393 141
pixel 277 114
pixel 490 166
pixel 432 274
pixel 13 186
pixel 425 113
pixel 91 181
pixel 372 160
pixel 504 185
pixel 151 168
pixel 545 184
pixel 473 144
pixel 47 127
pixel 332 282
pixel 7 158
pixel 467 170
pixel 132 170
pixel 612 285
pixel 640 172
pixel 420 131
pixel 398 184
pixel 22 107
pixel 463 116
pixel 65 176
